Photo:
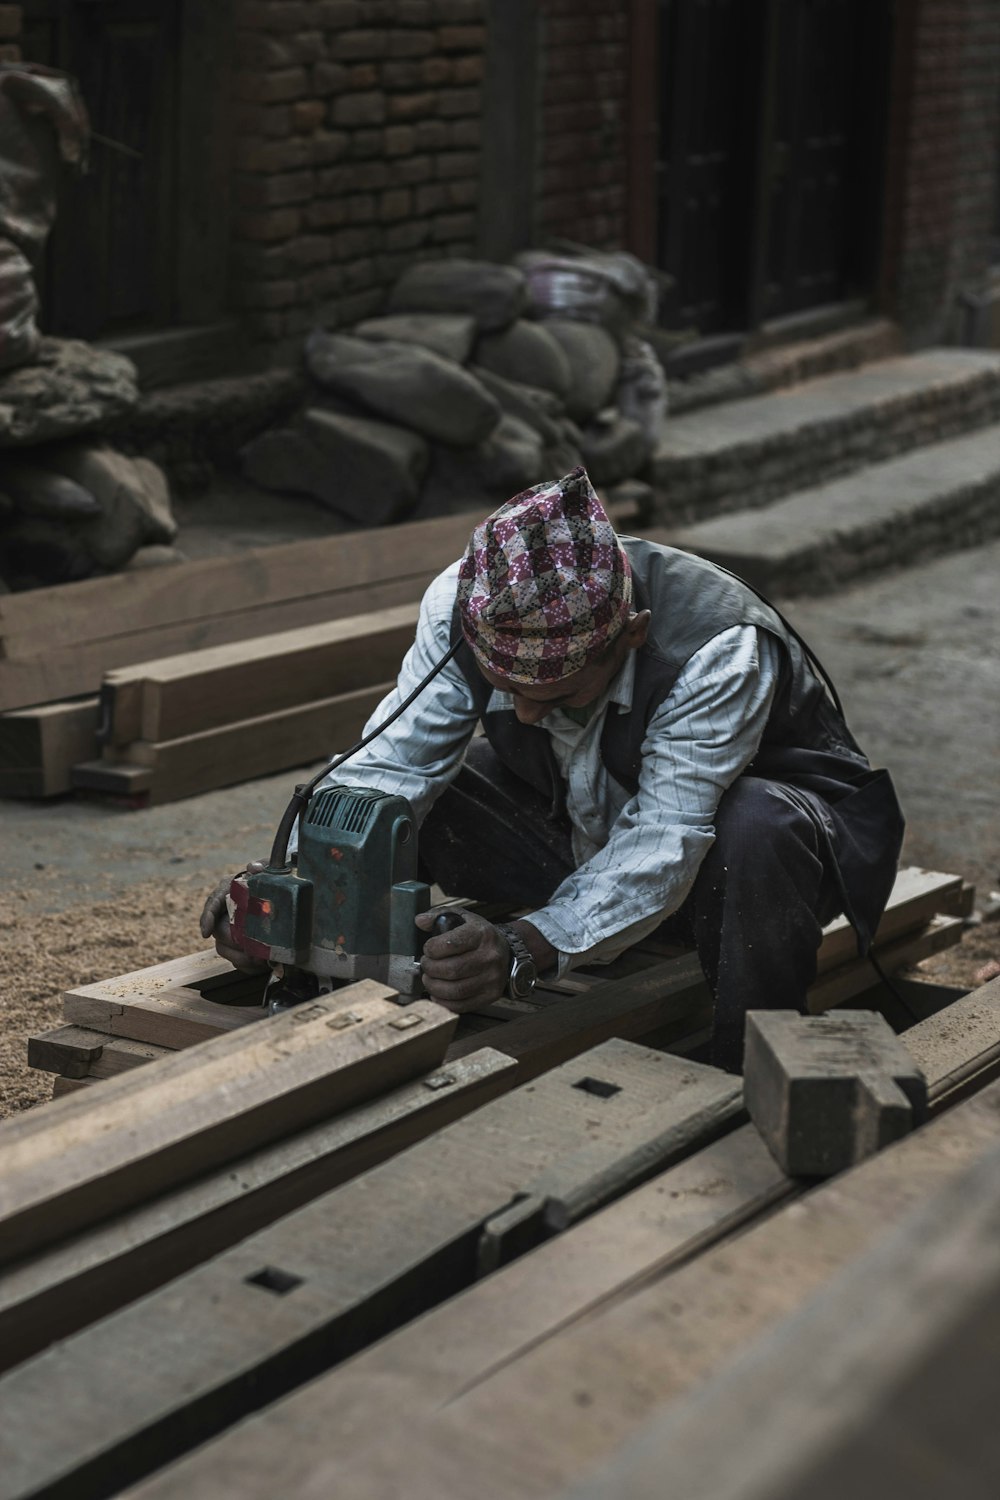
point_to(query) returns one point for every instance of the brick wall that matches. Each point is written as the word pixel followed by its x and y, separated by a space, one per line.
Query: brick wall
pixel 10 31
pixel 951 165
pixel 582 165
pixel 358 135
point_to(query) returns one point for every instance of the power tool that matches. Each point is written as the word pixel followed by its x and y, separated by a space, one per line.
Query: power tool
pixel 347 910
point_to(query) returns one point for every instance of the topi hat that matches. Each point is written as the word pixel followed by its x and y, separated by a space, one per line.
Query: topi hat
pixel 544 584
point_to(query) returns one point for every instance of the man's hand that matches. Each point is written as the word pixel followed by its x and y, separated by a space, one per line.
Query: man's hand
pixel 467 966
pixel 215 923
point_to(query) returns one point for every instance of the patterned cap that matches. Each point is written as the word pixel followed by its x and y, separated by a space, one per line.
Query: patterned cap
pixel 544 584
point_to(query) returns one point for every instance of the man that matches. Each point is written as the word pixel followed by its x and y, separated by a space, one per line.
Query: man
pixel 655 745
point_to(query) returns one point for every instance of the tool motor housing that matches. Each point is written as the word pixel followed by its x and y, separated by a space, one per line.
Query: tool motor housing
pixel 347 910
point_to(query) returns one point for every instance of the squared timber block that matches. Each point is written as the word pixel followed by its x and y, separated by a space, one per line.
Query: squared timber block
pixel 827 1091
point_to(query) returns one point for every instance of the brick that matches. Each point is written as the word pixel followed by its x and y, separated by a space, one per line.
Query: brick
pixel 271 156
pixel 408 235
pixel 399 140
pixel 359 274
pixel 269 225
pixel 350 45
pixel 435 72
pixel 394 204
pixel 10 52
pixel 413 169
pixel 451 102
pixel 325 213
pixel 453 227
pixel 348 244
pixel 361 208
pixel 413 12
pixel 327 146
pixel 461 38
pixel 308 250
pixel 457 164
pixel 328 78
pixel 277 15
pixel 365 144
pixel 358 109
pixel 447 11
pixel 464 133
pixel 275 87
pixel 463 194
pixel 254 49
pixel 431 197
pixel 275 191
pixel 410 106
pixel 325 281
pixel 308 46
pixel 361 305
pixel 468 70
pixel 410 43
pixel 362 76
pixel 308 115
pixel 402 75
pixel 276 121
pixel 430 135
pixel 353 177
pixel 332 15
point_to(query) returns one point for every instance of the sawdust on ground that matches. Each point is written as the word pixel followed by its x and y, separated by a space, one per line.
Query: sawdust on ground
pixel 47 954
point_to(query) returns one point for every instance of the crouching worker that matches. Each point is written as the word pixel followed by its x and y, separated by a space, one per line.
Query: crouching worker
pixel 656 745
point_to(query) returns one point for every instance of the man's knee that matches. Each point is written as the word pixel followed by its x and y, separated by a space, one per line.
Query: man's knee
pixel 757 819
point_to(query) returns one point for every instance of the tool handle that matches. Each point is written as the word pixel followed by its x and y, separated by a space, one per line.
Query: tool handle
pixel 446 922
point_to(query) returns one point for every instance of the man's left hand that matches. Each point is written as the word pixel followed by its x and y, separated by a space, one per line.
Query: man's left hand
pixel 466 967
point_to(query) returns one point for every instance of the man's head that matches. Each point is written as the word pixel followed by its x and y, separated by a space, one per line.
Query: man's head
pixel 545 595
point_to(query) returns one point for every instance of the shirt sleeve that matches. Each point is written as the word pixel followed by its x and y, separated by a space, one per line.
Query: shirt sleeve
pixel 699 740
pixel 420 754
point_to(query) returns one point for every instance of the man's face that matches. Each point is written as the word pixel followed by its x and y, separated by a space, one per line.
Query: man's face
pixel 532 701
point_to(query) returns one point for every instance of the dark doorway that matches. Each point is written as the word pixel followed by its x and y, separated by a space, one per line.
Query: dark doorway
pixel 771 119
pixel 147 223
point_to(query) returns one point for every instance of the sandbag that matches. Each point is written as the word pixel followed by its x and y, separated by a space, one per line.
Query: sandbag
pixel 493 295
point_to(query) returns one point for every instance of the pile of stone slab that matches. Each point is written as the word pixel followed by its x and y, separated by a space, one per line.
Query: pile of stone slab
pixel 71 505
pixel 478 381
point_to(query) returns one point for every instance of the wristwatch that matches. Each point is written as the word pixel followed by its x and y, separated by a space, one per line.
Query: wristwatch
pixel 523 974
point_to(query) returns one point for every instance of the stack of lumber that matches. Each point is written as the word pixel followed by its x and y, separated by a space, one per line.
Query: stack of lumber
pixel 292 1258
pixel 346 605
pixel 120 1024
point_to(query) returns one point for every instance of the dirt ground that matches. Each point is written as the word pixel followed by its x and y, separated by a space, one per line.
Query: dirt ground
pixel 91 890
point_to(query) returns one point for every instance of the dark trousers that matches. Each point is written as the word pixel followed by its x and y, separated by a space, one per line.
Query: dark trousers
pixel 755 913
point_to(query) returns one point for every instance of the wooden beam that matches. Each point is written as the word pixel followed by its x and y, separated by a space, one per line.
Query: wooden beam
pixel 639 1247
pixel 38 746
pixel 286 1303
pixel 76 1052
pixel 239 751
pixel 181 695
pixel 60 1290
pixel 73 1165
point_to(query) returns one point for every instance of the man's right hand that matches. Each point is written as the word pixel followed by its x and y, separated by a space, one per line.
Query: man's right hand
pixel 215 923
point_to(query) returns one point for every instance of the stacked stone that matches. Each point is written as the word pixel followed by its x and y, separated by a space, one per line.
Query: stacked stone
pixel 464 393
pixel 581 189
pixel 359 134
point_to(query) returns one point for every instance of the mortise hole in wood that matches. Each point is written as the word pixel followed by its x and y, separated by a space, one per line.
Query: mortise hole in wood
pixel 273 1280
pixel 599 1087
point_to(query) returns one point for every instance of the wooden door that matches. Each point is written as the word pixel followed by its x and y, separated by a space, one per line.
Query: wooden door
pixel 768 173
pixel 140 241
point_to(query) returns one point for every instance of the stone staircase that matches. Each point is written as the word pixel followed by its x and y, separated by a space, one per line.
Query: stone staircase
pixel 806 488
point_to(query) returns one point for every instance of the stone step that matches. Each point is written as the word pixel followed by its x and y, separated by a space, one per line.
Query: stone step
pixel 938 499
pixel 750 452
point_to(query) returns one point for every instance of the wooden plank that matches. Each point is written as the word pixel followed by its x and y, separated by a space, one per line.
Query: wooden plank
pixel 641 1242
pixel 958 1048
pixel 847 980
pixel 63 1086
pixel 598 1379
pixel 72 1166
pixel 879 1385
pixel 81 667
pixel 38 746
pixel 72 1284
pixel 76 1052
pixel 199 690
pixel 352 1265
pixel 255 747
pixel 42 621
pixel 116 778
pixel 174 1004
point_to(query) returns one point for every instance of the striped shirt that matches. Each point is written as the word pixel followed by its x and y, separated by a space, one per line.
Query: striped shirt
pixel 637 856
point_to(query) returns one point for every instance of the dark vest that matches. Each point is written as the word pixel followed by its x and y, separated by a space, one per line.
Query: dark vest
pixel 807 746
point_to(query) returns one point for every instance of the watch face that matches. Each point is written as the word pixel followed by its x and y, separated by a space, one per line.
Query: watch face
pixel 522 978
